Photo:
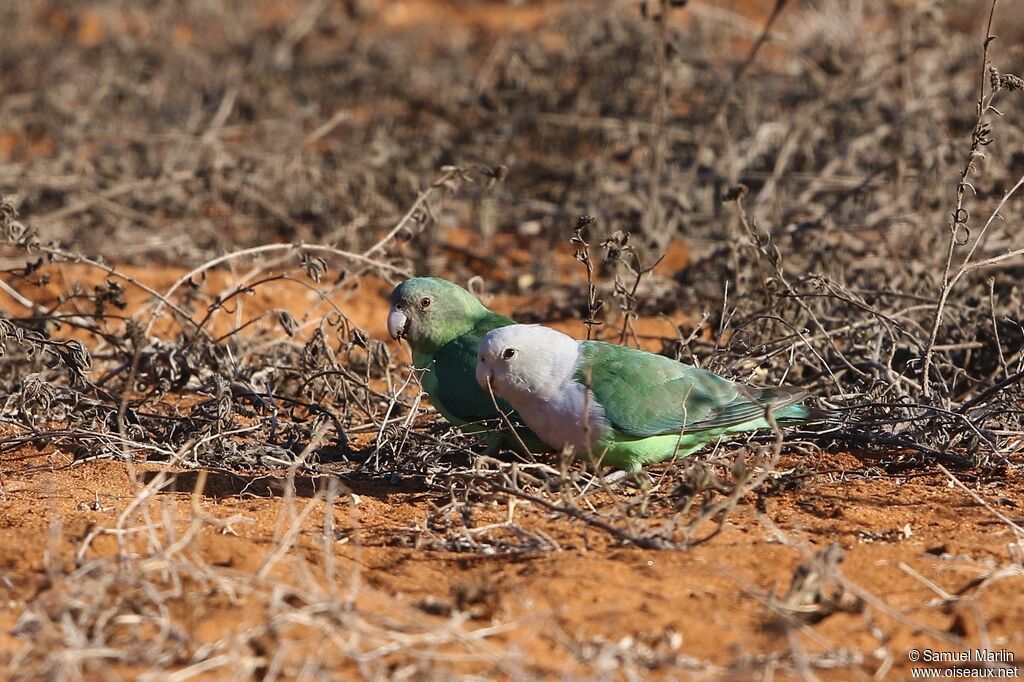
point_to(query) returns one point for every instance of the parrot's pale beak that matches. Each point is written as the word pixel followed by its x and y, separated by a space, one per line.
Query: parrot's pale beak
pixel 398 323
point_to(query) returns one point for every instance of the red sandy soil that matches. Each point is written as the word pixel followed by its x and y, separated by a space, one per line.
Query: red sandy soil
pixel 931 539
pixel 927 557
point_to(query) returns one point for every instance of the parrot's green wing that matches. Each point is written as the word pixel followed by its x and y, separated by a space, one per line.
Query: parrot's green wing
pixel 450 376
pixel 644 394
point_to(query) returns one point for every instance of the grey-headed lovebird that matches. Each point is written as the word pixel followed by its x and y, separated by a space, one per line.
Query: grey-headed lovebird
pixel 621 406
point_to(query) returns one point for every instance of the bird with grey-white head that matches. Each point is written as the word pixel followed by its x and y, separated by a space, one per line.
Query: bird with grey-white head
pixel 622 406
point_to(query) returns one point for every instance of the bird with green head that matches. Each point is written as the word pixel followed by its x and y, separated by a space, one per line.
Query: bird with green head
pixel 443 325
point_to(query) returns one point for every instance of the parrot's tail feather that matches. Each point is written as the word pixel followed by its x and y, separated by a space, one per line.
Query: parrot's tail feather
pixel 803 414
pixel 778 396
pixel 788 409
pixel 749 408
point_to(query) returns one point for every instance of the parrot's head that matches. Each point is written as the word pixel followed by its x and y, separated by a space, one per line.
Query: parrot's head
pixel 428 312
pixel 525 359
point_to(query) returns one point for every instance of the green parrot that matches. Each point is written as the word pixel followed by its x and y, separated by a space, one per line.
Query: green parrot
pixel 444 325
pixel 621 406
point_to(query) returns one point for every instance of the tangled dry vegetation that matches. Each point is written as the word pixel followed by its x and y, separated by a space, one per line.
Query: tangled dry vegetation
pixel 808 158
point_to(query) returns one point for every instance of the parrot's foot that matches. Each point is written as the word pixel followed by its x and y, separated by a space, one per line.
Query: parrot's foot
pixel 496 441
pixel 618 478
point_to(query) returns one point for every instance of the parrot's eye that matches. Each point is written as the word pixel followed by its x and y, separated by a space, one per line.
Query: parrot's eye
pixel 508 353
pixel 425 302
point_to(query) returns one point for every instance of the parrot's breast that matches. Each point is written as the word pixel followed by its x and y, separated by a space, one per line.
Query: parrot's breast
pixel 568 417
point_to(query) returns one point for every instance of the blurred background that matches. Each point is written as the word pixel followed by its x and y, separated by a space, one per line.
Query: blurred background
pixel 158 131
pixel 163 133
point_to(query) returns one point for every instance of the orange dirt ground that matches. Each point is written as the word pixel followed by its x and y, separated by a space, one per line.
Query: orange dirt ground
pixel 931 564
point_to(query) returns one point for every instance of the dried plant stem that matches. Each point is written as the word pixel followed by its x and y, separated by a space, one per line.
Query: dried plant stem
pixel 254 251
pixel 979 138
pixel 741 69
pixel 449 176
pixel 582 249
pixel 965 267
pixel 655 212
pixel 1010 523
